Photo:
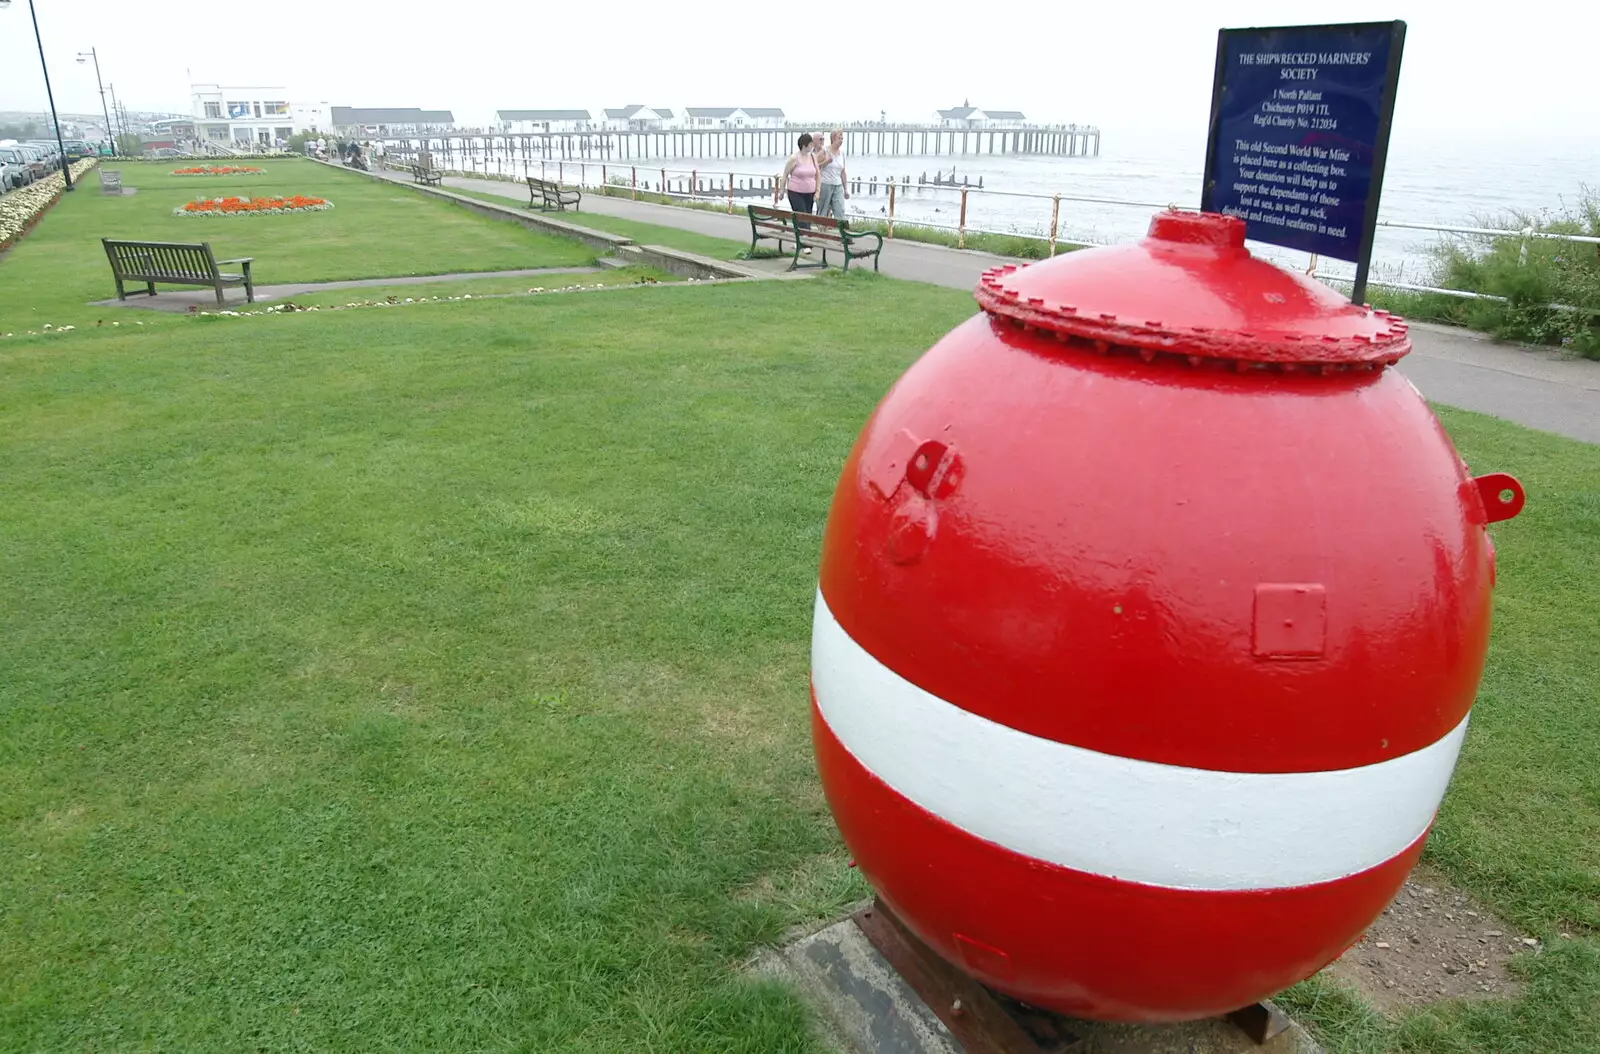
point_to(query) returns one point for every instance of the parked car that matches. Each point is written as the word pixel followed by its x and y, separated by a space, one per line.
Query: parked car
pixel 10 175
pixel 19 171
pixel 77 149
pixel 34 160
pixel 49 153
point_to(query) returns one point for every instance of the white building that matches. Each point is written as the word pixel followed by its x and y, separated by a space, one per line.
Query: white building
pixel 1003 119
pixel 639 118
pixel 312 116
pixel 242 117
pixel 734 117
pixel 762 117
pixel 965 116
pixel 544 120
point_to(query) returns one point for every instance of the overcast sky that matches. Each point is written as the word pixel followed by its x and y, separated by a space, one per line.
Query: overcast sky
pixel 1137 69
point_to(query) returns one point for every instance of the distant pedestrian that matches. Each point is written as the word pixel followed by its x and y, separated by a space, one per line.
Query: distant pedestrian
pixel 377 154
pixel 835 185
pixel 799 179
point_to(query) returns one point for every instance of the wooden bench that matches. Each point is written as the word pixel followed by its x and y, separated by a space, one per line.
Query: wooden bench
pixel 424 172
pixel 174 263
pixel 110 181
pixel 811 232
pixel 548 194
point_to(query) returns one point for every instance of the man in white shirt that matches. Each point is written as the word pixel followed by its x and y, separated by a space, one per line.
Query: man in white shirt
pixel 832 187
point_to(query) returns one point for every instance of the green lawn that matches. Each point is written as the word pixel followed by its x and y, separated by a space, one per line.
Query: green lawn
pixel 435 680
pixel 640 233
pixel 373 231
pixel 1520 826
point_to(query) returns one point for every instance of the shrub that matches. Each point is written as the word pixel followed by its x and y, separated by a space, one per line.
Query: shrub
pixel 1530 274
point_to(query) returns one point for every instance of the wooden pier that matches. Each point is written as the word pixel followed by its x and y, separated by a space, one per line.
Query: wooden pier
pixel 860 141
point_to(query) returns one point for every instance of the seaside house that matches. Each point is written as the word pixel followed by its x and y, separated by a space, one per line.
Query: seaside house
pixel 1003 119
pixel 544 120
pixel 638 118
pixel 734 117
pixel 393 120
pixel 968 116
pixel 762 117
pixel 711 116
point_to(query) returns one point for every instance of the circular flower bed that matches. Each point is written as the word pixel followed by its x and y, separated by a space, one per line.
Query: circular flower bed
pixel 252 206
pixel 219 170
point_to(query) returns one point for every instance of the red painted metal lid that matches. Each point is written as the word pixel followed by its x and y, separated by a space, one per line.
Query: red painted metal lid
pixel 1191 289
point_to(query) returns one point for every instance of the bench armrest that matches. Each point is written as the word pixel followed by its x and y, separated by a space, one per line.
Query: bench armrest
pixel 242 259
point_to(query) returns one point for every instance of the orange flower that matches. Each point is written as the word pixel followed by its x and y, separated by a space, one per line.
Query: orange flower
pixel 217 170
pixel 233 206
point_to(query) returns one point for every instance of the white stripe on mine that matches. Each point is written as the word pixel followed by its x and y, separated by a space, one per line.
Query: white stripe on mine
pixel 1162 825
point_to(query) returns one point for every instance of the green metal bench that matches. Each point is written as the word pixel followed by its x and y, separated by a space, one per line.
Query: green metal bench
pixel 811 232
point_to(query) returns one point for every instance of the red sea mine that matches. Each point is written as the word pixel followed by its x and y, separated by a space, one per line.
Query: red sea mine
pixel 1152 605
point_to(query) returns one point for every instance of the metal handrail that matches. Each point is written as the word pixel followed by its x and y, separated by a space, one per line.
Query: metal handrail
pixel 892 186
pixel 1526 232
pixel 1492 232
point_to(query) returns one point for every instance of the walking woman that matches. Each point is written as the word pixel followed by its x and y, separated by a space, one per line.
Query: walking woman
pixel 799 177
pixel 835 184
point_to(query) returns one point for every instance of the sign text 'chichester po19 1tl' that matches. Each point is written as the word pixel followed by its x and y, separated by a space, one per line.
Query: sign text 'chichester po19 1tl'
pixel 1152 605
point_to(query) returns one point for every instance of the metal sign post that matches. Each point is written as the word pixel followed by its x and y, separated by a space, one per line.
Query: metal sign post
pixel 1300 120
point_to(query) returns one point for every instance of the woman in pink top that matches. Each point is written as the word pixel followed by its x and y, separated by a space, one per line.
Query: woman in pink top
pixel 799 178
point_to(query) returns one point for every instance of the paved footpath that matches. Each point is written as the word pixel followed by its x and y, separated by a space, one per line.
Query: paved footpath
pixel 1536 387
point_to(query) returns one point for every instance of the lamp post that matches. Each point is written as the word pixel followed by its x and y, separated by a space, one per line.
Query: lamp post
pixel 91 54
pixel 61 148
pixel 122 121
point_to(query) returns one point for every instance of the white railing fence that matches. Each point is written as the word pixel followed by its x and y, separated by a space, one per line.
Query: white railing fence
pixel 905 203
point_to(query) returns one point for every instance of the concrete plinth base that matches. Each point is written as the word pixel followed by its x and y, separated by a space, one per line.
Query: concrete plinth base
pixel 870 1008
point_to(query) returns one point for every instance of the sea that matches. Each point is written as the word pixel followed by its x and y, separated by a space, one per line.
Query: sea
pixel 1109 198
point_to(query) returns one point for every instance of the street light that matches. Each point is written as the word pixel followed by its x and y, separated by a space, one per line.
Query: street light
pixel 61 148
pixel 116 108
pixel 110 134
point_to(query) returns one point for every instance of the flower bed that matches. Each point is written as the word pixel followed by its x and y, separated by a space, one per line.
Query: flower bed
pixel 252 206
pixel 21 209
pixel 219 170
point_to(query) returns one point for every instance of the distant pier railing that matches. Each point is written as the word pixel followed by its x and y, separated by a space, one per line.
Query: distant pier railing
pixel 869 140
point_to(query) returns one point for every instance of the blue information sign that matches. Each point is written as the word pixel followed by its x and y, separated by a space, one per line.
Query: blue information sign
pixel 1299 129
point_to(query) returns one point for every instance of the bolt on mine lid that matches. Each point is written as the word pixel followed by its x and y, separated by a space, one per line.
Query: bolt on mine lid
pixel 1191 289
